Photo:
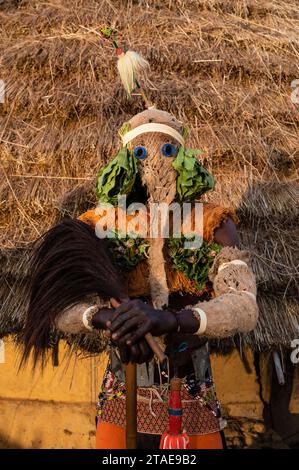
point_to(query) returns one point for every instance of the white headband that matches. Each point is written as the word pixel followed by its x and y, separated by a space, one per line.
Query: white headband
pixel 152 127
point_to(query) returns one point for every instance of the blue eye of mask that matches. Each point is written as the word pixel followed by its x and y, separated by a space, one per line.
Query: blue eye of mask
pixel 140 153
pixel 168 150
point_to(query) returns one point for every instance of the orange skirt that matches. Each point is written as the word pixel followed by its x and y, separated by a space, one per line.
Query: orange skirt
pixel 109 436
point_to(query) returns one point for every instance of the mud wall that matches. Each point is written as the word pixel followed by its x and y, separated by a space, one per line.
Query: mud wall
pixel 56 408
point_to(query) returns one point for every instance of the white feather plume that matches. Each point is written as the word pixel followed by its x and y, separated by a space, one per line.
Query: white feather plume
pixel 129 65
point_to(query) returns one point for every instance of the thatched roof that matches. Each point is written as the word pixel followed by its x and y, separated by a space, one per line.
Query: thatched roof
pixel 224 68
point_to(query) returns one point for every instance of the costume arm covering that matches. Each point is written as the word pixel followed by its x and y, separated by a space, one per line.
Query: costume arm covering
pixel 234 308
pixel 77 318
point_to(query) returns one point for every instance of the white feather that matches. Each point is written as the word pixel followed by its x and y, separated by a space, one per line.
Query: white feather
pixel 129 65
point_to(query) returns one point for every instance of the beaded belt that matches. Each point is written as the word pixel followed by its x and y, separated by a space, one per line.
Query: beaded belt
pixel 200 414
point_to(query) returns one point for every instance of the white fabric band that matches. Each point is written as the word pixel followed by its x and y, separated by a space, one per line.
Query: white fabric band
pixel 87 316
pixel 153 127
pixel 237 262
pixel 203 321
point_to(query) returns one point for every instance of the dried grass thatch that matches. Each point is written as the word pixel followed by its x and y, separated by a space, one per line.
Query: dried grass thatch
pixel 224 68
pixel 270 231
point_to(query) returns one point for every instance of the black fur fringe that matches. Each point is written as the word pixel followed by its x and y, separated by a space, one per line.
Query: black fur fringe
pixel 69 263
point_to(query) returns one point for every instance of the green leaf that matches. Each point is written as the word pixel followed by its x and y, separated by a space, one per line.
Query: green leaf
pixel 126 127
pixel 117 178
pixel 107 32
pixel 193 179
pixel 194 264
pixel 128 252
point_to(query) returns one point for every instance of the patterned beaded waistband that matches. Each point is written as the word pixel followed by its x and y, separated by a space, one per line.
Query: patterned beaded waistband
pixel 200 414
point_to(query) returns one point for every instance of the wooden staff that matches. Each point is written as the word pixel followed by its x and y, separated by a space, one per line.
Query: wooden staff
pixel 131 406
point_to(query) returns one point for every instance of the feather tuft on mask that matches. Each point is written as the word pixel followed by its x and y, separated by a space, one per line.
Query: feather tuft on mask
pixel 129 65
